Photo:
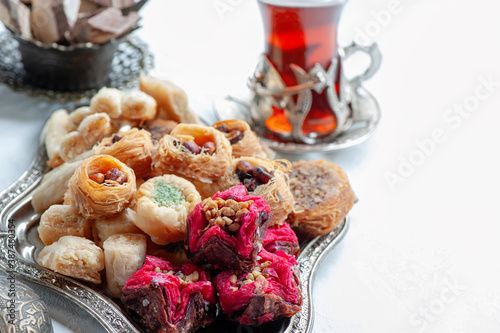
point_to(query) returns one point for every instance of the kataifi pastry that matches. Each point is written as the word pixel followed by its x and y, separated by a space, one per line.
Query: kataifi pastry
pixel 243 140
pixel 228 229
pixel 133 147
pixel 322 194
pixel 161 206
pixel 193 151
pixel 101 186
pixel 159 127
pixel 74 256
pixel 165 298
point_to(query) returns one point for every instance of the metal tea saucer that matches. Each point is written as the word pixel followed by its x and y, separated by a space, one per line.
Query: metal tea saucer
pixel 364 106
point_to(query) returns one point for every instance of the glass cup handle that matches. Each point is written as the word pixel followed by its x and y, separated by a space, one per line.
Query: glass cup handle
pixel 375 56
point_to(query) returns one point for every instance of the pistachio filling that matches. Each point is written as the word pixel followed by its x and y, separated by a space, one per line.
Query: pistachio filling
pixel 167 195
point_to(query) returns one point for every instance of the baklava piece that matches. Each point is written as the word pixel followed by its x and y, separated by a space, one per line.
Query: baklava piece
pixel 164 298
pixel 270 291
pixel 322 195
pixel 227 229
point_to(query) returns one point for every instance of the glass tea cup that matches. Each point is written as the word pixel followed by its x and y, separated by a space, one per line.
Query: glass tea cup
pixel 300 91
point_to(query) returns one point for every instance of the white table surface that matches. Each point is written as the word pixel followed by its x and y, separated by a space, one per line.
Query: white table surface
pixel 422 251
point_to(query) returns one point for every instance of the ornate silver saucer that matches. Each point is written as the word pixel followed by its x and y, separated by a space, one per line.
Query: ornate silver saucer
pixel 363 125
pixel 355 110
pixel 20 246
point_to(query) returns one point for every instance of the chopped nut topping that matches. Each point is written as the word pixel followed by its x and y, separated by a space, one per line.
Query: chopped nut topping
pixel 193 277
pixel 234 227
pixel 225 213
pixel 257 274
pixel 192 147
pixel 309 186
pixel 233 134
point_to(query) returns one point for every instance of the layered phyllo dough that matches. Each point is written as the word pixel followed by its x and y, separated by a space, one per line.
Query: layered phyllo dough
pixel 161 207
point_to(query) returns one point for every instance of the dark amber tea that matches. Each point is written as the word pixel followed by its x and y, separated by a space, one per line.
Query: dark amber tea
pixel 302 33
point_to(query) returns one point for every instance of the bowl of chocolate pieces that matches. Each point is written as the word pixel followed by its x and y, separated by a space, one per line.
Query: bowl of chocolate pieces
pixel 69 45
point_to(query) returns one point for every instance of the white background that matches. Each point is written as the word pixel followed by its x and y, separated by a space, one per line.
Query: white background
pixel 422 251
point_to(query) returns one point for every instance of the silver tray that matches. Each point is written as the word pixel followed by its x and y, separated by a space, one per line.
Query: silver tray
pixel 18 258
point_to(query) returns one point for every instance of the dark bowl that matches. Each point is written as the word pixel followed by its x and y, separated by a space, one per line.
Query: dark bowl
pixel 75 67
pixel 67 68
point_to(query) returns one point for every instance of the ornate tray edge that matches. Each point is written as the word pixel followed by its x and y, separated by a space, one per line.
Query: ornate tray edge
pixel 105 310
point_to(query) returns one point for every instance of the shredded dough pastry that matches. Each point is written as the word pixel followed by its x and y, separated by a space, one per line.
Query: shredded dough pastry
pixel 248 143
pixel 323 197
pixel 93 199
pixel 173 157
pixel 161 207
pixel 133 147
pixel 74 256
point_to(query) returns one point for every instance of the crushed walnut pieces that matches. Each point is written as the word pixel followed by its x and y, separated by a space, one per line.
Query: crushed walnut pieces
pixel 225 213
